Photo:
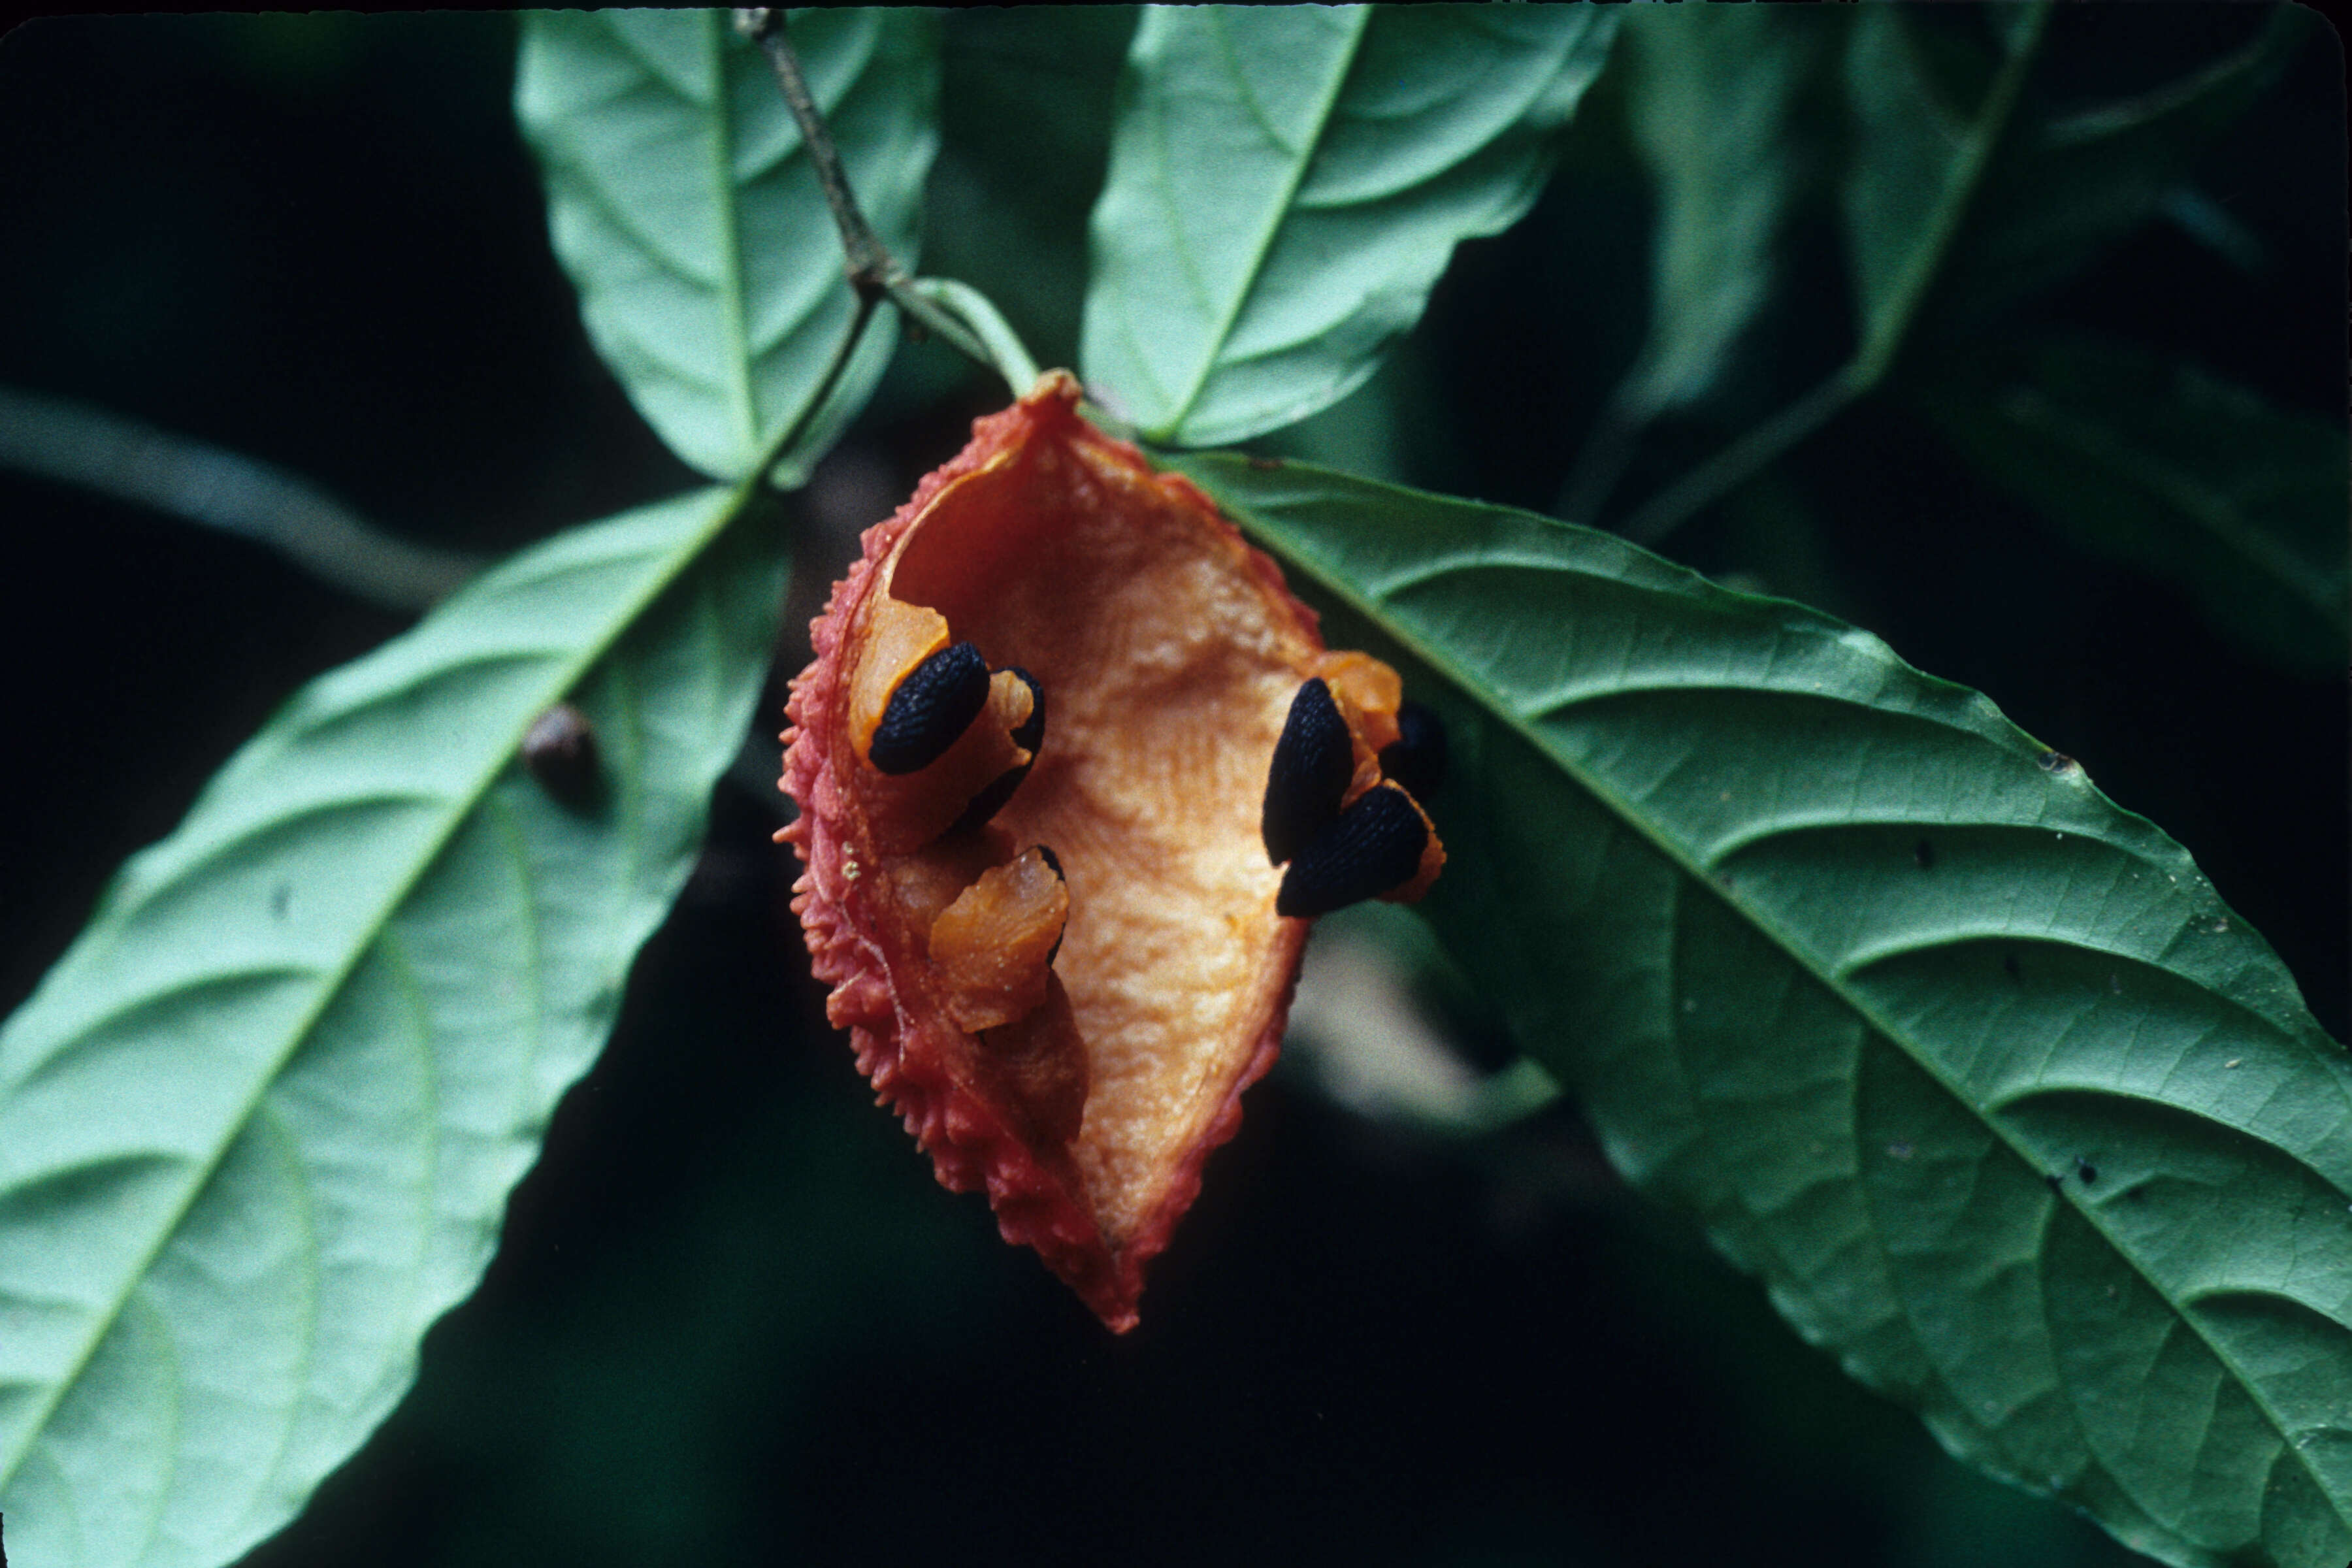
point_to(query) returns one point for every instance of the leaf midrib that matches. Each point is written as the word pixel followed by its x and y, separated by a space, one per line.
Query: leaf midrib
pixel 682 557
pixel 1440 660
pixel 1262 249
pixel 724 194
pixel 1986 127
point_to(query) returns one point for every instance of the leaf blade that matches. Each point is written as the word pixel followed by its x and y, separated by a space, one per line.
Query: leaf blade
pixel 2152 461
pixel 681 202
pixel 2033 1100
pixel 257 1128
pixel 2064 186
pixel 1286 184
pixel 2042 192
pixel 1714 116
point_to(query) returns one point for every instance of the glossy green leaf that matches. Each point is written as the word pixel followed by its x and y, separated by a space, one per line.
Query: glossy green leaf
pixel 2013 1116
pixel 258 1127
pixel 683 205
pixel 2151 461
pixel 1286 182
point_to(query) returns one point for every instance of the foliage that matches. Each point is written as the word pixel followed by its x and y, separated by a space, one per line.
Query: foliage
pixel 2018 1047
pixel 2011 1112
pixel 715 298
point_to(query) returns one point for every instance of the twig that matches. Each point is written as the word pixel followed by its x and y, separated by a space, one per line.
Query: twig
pixel 874 272
pixel 203 483
pixel 824 386
pixel 977 311
pixel 1742 460
pixel 870 264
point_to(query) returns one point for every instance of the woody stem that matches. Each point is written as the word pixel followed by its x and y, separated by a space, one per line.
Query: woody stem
pixel 874 272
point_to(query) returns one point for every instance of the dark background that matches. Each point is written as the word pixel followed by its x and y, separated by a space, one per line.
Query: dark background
pixel 733 1319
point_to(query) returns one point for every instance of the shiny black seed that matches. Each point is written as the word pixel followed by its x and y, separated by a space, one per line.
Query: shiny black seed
pixel 560 749
pixel 1375 847
pixel 1313 762
pixel 1031 736
pixel 932 708
pixel 1416 758
pixel 2085 1169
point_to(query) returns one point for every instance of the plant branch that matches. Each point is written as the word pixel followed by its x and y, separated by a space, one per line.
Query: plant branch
pixel 824 386
pixel 870 263
pixel 75 444
pixel 1737 464
pixel 874 272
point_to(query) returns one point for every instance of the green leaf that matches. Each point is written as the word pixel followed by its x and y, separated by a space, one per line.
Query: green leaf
pixel 1286 182
pixel 2148 459
pixel 682 203
pixel 1958 206
pixel 258 1127
pixel 2063 185
pixel 1716 99
pixel 1961 194
pixel 1025 116
pixel 1713 103
pixel 2014 1117
pixel 1920 145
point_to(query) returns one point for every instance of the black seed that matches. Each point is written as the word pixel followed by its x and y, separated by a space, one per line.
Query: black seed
pixel 991 798
pixel 1374 847
pixel 1055 862
pixel 2055 762
pixel 1924 853
pixel 1416 758
pixel 1312 764
pixel 560 749
pixel 1031 736
pixel 932 708
pixel 2085 1169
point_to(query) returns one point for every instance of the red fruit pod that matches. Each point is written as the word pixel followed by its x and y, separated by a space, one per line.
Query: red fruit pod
pixel 1116 1014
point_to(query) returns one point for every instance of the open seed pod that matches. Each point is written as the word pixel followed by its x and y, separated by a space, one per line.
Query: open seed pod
pixel 1045 761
